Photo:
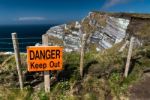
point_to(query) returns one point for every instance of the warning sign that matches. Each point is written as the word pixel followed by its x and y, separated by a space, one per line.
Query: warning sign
pixel 42 58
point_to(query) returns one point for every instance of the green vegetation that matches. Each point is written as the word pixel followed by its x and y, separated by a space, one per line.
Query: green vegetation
pixel 103 71
pixel 143 32
pixel 103 76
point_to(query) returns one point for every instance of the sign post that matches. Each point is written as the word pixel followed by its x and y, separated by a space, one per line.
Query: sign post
pixel 44 58
pixel 46 73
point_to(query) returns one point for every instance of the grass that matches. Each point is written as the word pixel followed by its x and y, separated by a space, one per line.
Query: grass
pixel 91 87
pixel 143 32
pixel 103 71
pixel 14 94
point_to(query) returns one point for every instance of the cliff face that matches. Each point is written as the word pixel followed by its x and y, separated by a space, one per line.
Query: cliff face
pixel 102 30
pixel 65 35
pixel 113 32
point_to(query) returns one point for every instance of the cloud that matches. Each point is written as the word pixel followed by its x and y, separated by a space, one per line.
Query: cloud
pixel 31 18
pixel 111 3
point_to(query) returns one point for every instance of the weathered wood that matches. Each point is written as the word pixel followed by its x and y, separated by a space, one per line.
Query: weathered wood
pixel 46 73
pixel 17 57
pixel 82 54
pixel 124 46
pixel 129 57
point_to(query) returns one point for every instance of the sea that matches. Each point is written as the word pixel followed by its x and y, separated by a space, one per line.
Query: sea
pixel 27 35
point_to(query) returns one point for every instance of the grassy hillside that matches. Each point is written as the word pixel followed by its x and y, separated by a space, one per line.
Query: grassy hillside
pixel 103 71
pixel 103 77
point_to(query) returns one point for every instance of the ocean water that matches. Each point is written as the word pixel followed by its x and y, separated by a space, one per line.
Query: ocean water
pixel 28 35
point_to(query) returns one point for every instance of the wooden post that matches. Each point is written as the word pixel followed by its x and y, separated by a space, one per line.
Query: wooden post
pixel 17 57
pixel 124 46
pixel 129 57
pixel 46 73
pixel 82 54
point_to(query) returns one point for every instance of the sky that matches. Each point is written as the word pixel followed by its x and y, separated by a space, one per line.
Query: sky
pixel 63 11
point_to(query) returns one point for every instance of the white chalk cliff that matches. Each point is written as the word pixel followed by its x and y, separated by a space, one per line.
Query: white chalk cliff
pixel 104 36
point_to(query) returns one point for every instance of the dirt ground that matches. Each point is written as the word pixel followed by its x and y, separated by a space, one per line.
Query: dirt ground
pixel 141 90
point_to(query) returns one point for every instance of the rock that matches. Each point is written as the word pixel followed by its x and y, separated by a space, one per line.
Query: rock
pixel 38 44
pixel 77 25
pixel 71 41
pixel 106 30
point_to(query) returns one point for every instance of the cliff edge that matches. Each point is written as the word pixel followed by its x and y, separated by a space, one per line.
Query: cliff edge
pixel 102 30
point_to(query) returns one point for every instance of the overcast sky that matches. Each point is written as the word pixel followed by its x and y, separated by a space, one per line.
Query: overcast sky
pixel 62 11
